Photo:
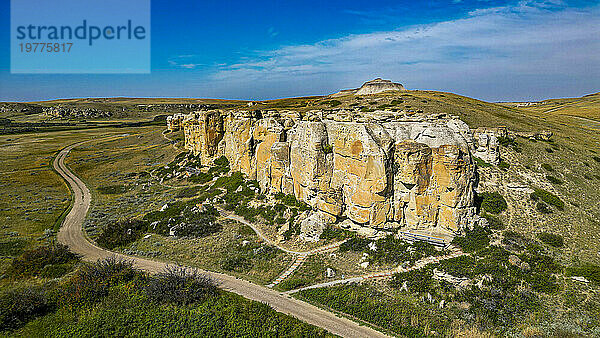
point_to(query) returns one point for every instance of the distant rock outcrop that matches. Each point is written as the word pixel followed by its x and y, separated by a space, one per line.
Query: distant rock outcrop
pixel 372 87
pixel 395 171
pixel 378 86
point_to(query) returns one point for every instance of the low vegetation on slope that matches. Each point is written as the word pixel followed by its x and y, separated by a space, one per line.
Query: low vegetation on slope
pixel 112 298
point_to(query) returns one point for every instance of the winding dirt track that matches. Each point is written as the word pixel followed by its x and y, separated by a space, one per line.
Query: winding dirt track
pixel 71 233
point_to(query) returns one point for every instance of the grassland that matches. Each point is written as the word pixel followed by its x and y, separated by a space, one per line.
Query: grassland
pixel 118 174
pixel 566 168
pixel 33 198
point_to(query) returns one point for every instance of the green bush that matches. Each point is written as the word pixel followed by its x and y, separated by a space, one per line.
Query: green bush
pixel 420 280
pixel 180 286
pixel 201 178
pixel 553 179
pixel 588 270
pixel 56 270
pixel 92 282
pixel 18 306
pixel 332 103
pixel 184 218
pixel 12 247
pixel 113 189
pixel 503 165
pixel 461 266
pixel 293 283
pixel 121 233
pixel 327 148
pixel 494 222
pixel 221 166
pixel 509 142
pixel 199 224
pixel 547 197
pixel 373 306
pixel 542 282
pixel 514 240
pixel 543 208
pixel 32 262
pixel 188 192
pixel 336 233
pixel 551 239
pixel 481 163
pixel 493 202
pixel 547 167
pixel 473 240
pixel 236 263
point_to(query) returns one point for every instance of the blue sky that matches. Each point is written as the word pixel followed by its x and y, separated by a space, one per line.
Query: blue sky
pixel 492 50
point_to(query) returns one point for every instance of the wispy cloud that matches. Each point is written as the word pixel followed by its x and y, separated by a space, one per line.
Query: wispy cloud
pixel 184 61
pixel 533 41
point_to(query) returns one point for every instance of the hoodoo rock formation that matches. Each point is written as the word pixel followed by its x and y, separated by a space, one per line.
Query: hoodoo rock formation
pixel 386 170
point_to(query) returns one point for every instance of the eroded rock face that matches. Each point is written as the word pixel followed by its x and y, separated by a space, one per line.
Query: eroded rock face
pixel 378 86
pixel 391 172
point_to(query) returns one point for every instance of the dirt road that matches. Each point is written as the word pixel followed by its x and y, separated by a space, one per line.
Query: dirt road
pixel 72 234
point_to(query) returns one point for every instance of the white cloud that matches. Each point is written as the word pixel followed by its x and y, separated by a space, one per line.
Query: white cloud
pixel 528 46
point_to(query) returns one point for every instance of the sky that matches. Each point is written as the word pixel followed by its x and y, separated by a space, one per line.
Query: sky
pixel 486 49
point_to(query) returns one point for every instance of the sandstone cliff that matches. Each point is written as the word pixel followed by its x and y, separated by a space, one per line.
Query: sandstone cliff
pixel 383 171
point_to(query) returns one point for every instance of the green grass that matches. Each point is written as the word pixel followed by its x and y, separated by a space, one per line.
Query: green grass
pixel 114 299
pixel 547 197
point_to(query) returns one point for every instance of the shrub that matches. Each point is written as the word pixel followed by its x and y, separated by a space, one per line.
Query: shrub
pixel 19 306
pixel 461 266
pixel 113 189
pixel 293 283
pixel 596 158
pixel 236 263
pixel 418 280
pixel 32 262
pixel 503 165
pixel 514 240
pixel 542 282
pixel 332 103
pixel 473 240
pixel 92 282
pixel 547 197
pixel 12 247
pixel 589 271
pixel 509 142
pixel 551 239
pixel 553 179
pixel 56 270
pixel 547 167
pixel 327 148
pixel 199 224
pixel 201 178
pixel 188 192
pixel 356 244
pixel 336 233
pixel 180 286
pixel 221 166
pixel 481 163
pixel 494 222
pixel 543 208
pixel 493 202
pixel 121 233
